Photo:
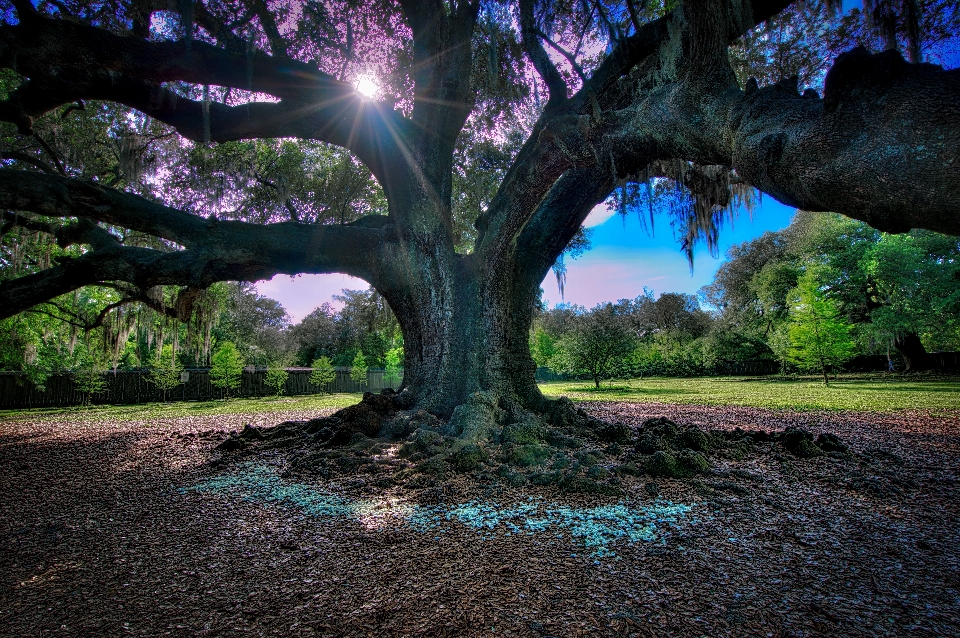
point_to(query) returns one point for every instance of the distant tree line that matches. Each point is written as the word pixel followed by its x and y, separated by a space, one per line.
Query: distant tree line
pixel 811 298
pixel 230 325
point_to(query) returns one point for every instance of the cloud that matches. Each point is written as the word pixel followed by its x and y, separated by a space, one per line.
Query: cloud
pixel 600 213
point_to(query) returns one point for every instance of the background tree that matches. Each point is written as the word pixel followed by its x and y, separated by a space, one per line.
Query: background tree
pixel 185 186
pixel 323 372
pixel 226 368
pixel 358 371
pixel 819 335
pixel 165 370
pixel 393 372
pixel 255 324
pixel 89 373
pixel 596 341
pixel 277 379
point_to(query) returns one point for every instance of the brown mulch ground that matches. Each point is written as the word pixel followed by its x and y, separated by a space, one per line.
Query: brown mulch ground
pixel 98 538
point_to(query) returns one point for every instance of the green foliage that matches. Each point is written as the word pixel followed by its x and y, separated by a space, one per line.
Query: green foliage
pixel 323 372
pixel 358 371
pixel 877 393
pixel 393 373
pixel 277 379
pixel 226 368
pixel 888 287
pixel 90 367
pixel 596 341
pixel 89 381
pixel 165 370
pixel 819 336
pixel 543 347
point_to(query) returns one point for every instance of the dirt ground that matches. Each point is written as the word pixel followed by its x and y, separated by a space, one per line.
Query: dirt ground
pixel 122 529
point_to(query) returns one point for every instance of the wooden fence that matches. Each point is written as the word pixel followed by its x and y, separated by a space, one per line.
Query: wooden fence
pixel 133 386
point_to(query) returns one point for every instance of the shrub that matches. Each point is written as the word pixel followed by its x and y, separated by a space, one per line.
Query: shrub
pixel 165 371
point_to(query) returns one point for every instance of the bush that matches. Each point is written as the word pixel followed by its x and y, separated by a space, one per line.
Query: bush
pixel 89 381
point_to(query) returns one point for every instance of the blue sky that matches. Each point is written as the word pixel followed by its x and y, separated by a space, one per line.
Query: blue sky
pixel 623 260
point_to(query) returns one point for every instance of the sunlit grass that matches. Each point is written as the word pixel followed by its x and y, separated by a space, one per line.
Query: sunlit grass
pixel 852 393
pixel 179 409
pixel 881 394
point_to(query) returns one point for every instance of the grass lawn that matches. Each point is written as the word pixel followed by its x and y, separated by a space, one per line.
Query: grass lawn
pixel 879 394
pixel 179 409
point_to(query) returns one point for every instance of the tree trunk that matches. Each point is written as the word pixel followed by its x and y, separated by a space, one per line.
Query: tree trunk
pixel 465 326
pixel 911 348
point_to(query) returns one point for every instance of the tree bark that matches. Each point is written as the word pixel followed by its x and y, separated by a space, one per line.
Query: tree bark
pixel 911 349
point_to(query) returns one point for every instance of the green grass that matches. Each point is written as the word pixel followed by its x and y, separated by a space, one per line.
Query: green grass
pixel 179 409
pixel 876 394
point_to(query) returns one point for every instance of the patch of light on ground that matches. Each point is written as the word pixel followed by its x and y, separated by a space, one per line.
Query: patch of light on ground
pixel 596 528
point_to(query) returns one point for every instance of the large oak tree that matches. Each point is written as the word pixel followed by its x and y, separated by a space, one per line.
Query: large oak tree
pixel 628 94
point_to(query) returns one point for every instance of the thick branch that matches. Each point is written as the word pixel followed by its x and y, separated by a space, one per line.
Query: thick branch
pixel 241 254
pixel 880 146
pixel 65 62
pixel 26 158
pixel 56 196
pixel 538 55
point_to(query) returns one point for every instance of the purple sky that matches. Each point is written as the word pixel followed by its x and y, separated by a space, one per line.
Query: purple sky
pixel 623 260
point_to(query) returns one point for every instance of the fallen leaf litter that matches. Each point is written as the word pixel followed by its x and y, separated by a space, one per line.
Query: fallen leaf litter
pixel 101 535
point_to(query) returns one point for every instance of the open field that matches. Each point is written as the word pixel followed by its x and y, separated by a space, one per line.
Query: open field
pixel 184 409
pixel 874 393
pixel 132 524
pixel 880 393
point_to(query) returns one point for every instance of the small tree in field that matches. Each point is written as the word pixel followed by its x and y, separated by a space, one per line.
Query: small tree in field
pixel 226 368
pixel 323 372
pixel 358 370
pixel 394 369
pixel 819 336
pixel 88 377
pixel 165 370
pixel 277 379
pixel 597 341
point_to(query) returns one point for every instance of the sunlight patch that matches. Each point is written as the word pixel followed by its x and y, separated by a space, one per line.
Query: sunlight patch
pixel 596 528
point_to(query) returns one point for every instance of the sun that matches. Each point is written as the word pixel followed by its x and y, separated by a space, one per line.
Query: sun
pixel 366 87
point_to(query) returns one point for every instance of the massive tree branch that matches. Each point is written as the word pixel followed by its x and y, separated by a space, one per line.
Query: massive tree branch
pixel 65 62
pixel 238 252
pixel 883 145
pixel 874 149
pixel 878 147
pixel 216 250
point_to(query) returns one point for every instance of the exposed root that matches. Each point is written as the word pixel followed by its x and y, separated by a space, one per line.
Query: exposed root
pixel 502 442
